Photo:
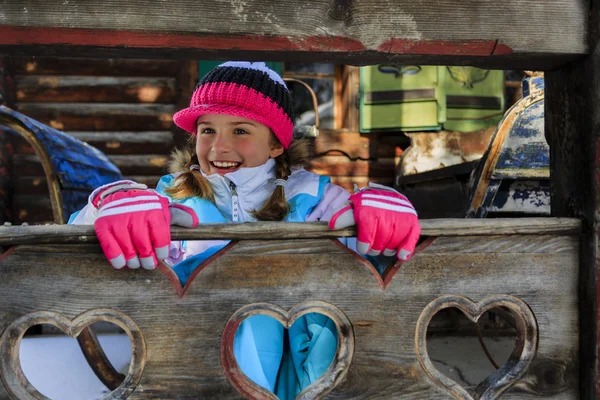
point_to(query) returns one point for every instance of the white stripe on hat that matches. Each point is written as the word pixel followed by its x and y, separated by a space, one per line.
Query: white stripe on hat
pixel 257 66
pixel 129 200
pixel 386 206
pixel 130 209
pixel 388 198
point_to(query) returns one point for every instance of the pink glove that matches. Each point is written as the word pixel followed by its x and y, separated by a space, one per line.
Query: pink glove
pixel 136 222
pixel 386 222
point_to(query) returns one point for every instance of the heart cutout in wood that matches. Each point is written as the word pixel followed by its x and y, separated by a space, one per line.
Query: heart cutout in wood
pixel 331 378
pixel 510 372
pixel 15 381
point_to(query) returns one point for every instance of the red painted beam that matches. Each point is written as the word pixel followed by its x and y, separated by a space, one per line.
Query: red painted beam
pixel 35 36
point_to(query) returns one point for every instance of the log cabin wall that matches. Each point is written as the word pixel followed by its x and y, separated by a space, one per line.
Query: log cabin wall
pixel 122 107
pixel 125 108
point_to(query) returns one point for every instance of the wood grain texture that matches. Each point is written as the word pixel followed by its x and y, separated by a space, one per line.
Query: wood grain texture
pixel 183 332
pixel 97 89
pixel 342 166
pixel 93 67
pixel 118 143
pixel 572 118
pixel 384 27
pixel 510 372
pixel 100 117
pixel 132 164
pixel 56 234
pixel 13 377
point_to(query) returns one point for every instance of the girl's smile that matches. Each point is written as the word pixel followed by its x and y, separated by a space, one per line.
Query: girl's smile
pixel 226 166
pixel 226 143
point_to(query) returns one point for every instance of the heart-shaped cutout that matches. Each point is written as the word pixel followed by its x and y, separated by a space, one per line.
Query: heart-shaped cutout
pixel 13 377
pixel 510 372
pixel 332 377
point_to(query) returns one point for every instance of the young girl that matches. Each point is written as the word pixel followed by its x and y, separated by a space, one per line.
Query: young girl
pixel 246 167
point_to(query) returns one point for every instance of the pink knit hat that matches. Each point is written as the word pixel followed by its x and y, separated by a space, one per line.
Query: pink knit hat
pixel 249 90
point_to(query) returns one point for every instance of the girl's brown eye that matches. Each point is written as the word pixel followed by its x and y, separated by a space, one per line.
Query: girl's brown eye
pixel 240 131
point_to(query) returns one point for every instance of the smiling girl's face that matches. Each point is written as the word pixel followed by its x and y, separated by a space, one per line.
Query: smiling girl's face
pixel 226 143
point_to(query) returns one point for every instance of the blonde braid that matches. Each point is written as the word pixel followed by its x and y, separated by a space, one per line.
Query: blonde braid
pixel 297 155
pixel 190 182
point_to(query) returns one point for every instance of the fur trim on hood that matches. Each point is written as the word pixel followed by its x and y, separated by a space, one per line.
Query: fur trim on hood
pixel 180 161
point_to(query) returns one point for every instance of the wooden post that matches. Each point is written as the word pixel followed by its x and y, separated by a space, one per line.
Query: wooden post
pixel 573 132
pixel 7 99
pixel 186 81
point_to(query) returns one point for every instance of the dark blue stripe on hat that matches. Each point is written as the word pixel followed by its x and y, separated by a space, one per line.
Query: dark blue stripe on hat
pixel 255 79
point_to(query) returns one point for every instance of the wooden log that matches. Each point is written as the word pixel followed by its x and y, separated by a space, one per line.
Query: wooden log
pixel 152 142
pixel 31 185
pixel 93 67
pixel 101 117
pixel 32 208
pixel 360 146
pixel 144 164
pixel 60 234
pixel 342 166
pixel 82 89
pixel 364 31
pixel 572 109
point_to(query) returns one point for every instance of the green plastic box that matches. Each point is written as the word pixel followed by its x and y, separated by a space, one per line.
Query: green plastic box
pixel 402 98
pixel 474 98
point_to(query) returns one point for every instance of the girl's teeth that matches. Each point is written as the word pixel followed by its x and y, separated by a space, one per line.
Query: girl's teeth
pixel 224 164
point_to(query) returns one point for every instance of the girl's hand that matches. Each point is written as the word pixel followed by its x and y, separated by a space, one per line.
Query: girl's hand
pixel 133 224
pixel 385 220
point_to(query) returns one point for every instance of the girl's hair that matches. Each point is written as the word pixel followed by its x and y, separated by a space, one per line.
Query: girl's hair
pixel 191 182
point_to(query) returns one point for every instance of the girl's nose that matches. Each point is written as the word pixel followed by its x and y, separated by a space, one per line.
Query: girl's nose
pixel 222 143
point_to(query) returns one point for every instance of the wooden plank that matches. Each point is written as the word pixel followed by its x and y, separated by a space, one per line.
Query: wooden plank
pixel 32 209
pixel 572 111
pixel 348 182
pixel 146 164
pixel 113 142
pixel 384 363
pixel 97 89
pixel 349 93
pixel 57 234
pixel 360 146
pixel 100 117
pixel 139 164
pixel 93 67
pixel 31 185
pixel 364 31
pixel 342 166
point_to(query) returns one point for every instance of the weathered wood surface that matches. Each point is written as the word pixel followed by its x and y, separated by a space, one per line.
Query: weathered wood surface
pixel 95 89
pixel 101 117
pixel 10 235
pixel 150 142
pixel 360 31
pixel 572 108
pixel 93 67
pixel 183 332
pixel 342 166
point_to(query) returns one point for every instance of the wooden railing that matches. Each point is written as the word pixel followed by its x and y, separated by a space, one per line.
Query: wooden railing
pixel 182 336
